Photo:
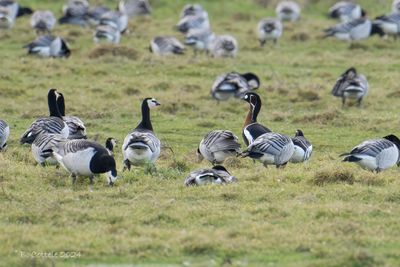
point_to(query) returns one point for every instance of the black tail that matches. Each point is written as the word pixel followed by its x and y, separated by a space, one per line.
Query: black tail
pixel 24 11
pixel 351 159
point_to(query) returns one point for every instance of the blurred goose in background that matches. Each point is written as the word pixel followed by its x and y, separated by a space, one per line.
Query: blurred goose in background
pixel 216 175
pixel 134 8
pixel 351 85
pixel 302 148
pixel 52 124
pixel 77 129
pixel 111 143
pixel 193 10
pixel 108 33
pixel 42 144
pixel 376 154
pixel 271 149
pixel 74 12
pixel 251 128
pixel 48 46
pixel 218 145
pixel 396 6
pixel 269 29
pixel 94 14
pixel 224 46
pixel 43 21
pixel 189 22
pixel 345 11
pixel 199 39
pixel 142 146
pixel 115 19
pixel 234 84
pixel 6 18
pixel 390 24
pixel 288 11
pixel 15 9
pixel 4 134
pixel 166 45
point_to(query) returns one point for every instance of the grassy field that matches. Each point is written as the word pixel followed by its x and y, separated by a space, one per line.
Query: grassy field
pixel 324 213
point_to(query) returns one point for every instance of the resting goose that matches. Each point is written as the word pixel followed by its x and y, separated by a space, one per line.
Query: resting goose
pixel 85 158
pixel 251 128
pixel 166 45
pixel 134 8
pixel 224 46
pixel 345 11
pixel 142 146
pixel 396 6
pixel 234 84
pixel 7 19
pixel 390 24
pixel 4 134
pixel 271 149
pixel 95 13
pixel 351 85
pixel 218 145
pixel 111 143
pixel 302 148
pixel 198 21
pixel 42 144
pixel 53 124
pixel 199 39
pixel 269 29
pixel 43 21
pixel 116 20
pixel 108 33
pixel 193 10
pixel 74 12
pixel 376 154
pixel 15 10
pixel 288 11
pixel 216 175
pixel 77 129
pixel 48 46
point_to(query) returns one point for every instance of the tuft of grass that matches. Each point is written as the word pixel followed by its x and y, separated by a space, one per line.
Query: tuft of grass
pixel 111 50
pixel 332 176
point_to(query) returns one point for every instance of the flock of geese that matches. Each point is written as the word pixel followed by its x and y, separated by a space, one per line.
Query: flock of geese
pixel 61 139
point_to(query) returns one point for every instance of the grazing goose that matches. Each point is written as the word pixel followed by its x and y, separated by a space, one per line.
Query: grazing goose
pixel 193 10
pixel 345 11
pixel 53 124
pixel 85 158
pixel 74 12
pixel 251 128
pixel 42 144
pixel 77 129
pixel 134 8
pixel 396 6
pixel 376 154
pixel 351 85
pixel 189 22
pixel 94 14
pixel 224 46
pixel 48 46
pixel 218 145
pixel 390 24
pixel 271 149
pixel 43 21
pixel 288 11
pixel 111 143
pixel 166 45
pixel 216 175
pixel 269 29
pixel 199 39
pixel 302 148
pixel 234 84
pixel 115 19
pixel 15 9
pixel 142 146
pixel 108 33
pixel 4 133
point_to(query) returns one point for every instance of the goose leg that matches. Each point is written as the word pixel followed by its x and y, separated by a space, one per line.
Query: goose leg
pixel 73 176
pixel 359 102
pixel 91 178
pixel 343 102
pixel 262 43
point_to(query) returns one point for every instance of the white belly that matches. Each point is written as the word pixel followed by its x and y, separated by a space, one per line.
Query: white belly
pixel 78 163
pixel 140 156
pixel 298 155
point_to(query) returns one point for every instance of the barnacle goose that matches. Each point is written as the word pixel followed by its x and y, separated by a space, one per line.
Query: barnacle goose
pixel 42 144
pixel 166 45
pixel 108 33
pixel 271 149
pixel 193 10
pixel 218 145
pixel 396 6
pixel 302 148
pixel 77 129
pixel 74 12
pixel 390 24
pixel 15 10
pixel 376 154
pixel 4 134
pixel 111 143
pixel 53 124
pixel 115 19
pixel 345 11
pixel 234 84
pixel 269 29
pixel 94 14
pixel 288 11
pixel 216 175
pixel 7 19
pixel 197 21
pixel 251 128
pixel 48 46
pixel 224 46
pixel 135 7
pixel 351 85
pixel 199 39
pixel 85 158
pixel 141 146
pixel 43 21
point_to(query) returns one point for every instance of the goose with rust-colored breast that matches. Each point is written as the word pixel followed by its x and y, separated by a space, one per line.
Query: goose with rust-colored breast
pixel 4 134
pixel 216 175
pixel 142 146
pixel 77 129
pixel 302 148
pixel 234 84
pixel 351 85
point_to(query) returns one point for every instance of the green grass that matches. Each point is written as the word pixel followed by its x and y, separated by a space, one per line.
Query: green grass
pixel 324 213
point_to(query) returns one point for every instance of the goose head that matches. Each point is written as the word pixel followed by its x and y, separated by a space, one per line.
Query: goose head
pixel 151 102
pixel 199 156
pixel 299 133
pixel 52 103
pixel 111 143
pixel 112 174
pixel 253 99
pixel 64 51
pixel 252 80
pixel 394 139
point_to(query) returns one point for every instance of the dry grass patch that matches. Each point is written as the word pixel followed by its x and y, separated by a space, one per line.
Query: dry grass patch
pixel 332 176
pixel 111 50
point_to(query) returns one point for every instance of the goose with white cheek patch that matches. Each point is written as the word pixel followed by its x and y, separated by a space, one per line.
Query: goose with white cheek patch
pixel 251 128
pixel 288 11
pixel 216 175
pixel 77 129
pixel 4 134
pixel 234 84
pixel 134 8
pixel 142 146
pixel 345 11
pixel 351 85
pixel 271 149
pixel 43 21
pixel 224 46
pixel 218 145
pixel 53 124
pixel 166 45
pixel 48 46
pixel 40 148
pixel 376 154
pixel 111 143
pixel 302 148
pixel 269 29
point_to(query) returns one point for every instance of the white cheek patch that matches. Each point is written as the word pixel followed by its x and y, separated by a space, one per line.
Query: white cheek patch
pixel 253 84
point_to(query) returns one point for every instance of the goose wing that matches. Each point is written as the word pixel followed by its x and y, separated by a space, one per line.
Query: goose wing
pixel 142 138
pixel 77 129
pixel 221 141
pixel 41 41
pixel 53 125
pixel 371 148
pixel 275 144
pixel 346 27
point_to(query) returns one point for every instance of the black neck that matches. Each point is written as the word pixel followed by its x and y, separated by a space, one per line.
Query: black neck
pixel 61 104
pixel 256 110
pixel 145 123
pixel 52 102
